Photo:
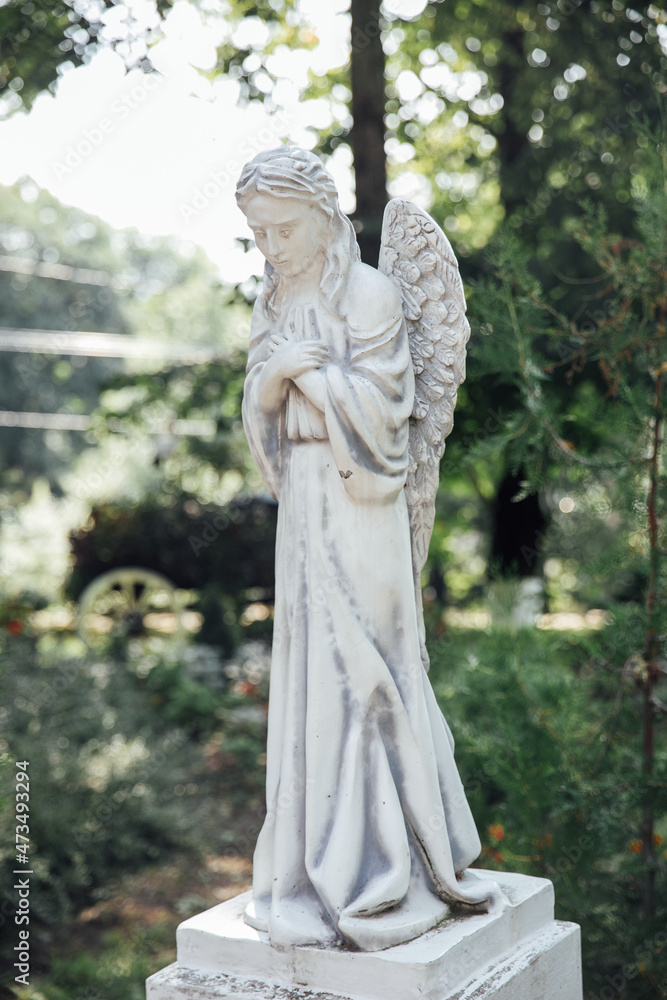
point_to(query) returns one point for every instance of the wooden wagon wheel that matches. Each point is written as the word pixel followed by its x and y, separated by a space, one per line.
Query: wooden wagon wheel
pixel 131 602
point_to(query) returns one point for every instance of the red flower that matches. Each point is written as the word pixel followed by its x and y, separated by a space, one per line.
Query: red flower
pixel 14 626
pixel 497 831
pixel 245 688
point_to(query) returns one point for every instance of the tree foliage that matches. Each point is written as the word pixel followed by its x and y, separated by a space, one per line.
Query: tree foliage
pixel 546 92
pixel 99 281
pixel 40 39
pixel 603 447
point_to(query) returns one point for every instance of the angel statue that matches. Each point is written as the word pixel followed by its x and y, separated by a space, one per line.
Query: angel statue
pixel 350 391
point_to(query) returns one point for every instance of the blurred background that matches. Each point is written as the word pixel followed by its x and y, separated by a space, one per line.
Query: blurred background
pixel 136 538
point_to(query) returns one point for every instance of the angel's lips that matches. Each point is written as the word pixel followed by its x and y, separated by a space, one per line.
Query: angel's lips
pixel 291 266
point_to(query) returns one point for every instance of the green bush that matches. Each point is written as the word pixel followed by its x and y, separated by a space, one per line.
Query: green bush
pixel 547 744
pixel 103 764
pixel 117 750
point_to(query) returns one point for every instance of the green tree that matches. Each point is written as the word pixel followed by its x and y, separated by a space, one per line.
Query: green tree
pixel 37 230
pixel 38 37
pixel 604 448
pixel 546 92
pixel 64 270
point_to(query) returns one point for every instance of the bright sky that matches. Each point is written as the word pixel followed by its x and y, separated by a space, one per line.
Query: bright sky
pixel 163 153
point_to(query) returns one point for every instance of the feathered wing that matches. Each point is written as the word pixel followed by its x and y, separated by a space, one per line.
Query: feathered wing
pixel 418 257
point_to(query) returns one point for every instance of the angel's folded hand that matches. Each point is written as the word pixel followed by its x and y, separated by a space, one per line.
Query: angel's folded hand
pixel 276 341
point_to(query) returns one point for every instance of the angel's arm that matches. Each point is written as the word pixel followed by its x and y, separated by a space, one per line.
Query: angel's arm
pixel 295 361
pixel 313 384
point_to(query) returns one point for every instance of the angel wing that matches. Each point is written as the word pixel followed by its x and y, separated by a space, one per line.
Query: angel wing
pixel 418 257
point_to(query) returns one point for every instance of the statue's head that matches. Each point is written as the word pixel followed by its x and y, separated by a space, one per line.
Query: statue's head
pixel 291 204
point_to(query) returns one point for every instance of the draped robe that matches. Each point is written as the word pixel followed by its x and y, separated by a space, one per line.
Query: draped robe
pixel 367 822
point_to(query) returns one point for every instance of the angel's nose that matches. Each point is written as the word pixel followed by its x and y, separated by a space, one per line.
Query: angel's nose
pixel 273 242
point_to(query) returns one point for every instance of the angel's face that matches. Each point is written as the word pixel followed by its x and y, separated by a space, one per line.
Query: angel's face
pixel 291 233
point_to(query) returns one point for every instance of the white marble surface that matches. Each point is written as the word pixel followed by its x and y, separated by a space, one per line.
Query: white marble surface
pixel 350 392
pixel 518 953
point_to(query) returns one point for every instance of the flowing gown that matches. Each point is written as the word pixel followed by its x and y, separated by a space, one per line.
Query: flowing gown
pixel 367 822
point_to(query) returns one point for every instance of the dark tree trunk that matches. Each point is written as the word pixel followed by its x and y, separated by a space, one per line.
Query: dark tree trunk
pixel 518 528
pixel 510 137
pixel 518 531
pixel 651 658
pixel 367 134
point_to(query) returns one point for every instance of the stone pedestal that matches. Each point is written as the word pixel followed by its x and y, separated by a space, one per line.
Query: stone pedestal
pixel 519 953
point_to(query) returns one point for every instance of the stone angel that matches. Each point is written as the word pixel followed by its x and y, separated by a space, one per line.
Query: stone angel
pixel 350 391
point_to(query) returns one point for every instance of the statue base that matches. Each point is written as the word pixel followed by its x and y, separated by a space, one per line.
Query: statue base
pixel 518 953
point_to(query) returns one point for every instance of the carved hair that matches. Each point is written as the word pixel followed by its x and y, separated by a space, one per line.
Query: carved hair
pixel 288 172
